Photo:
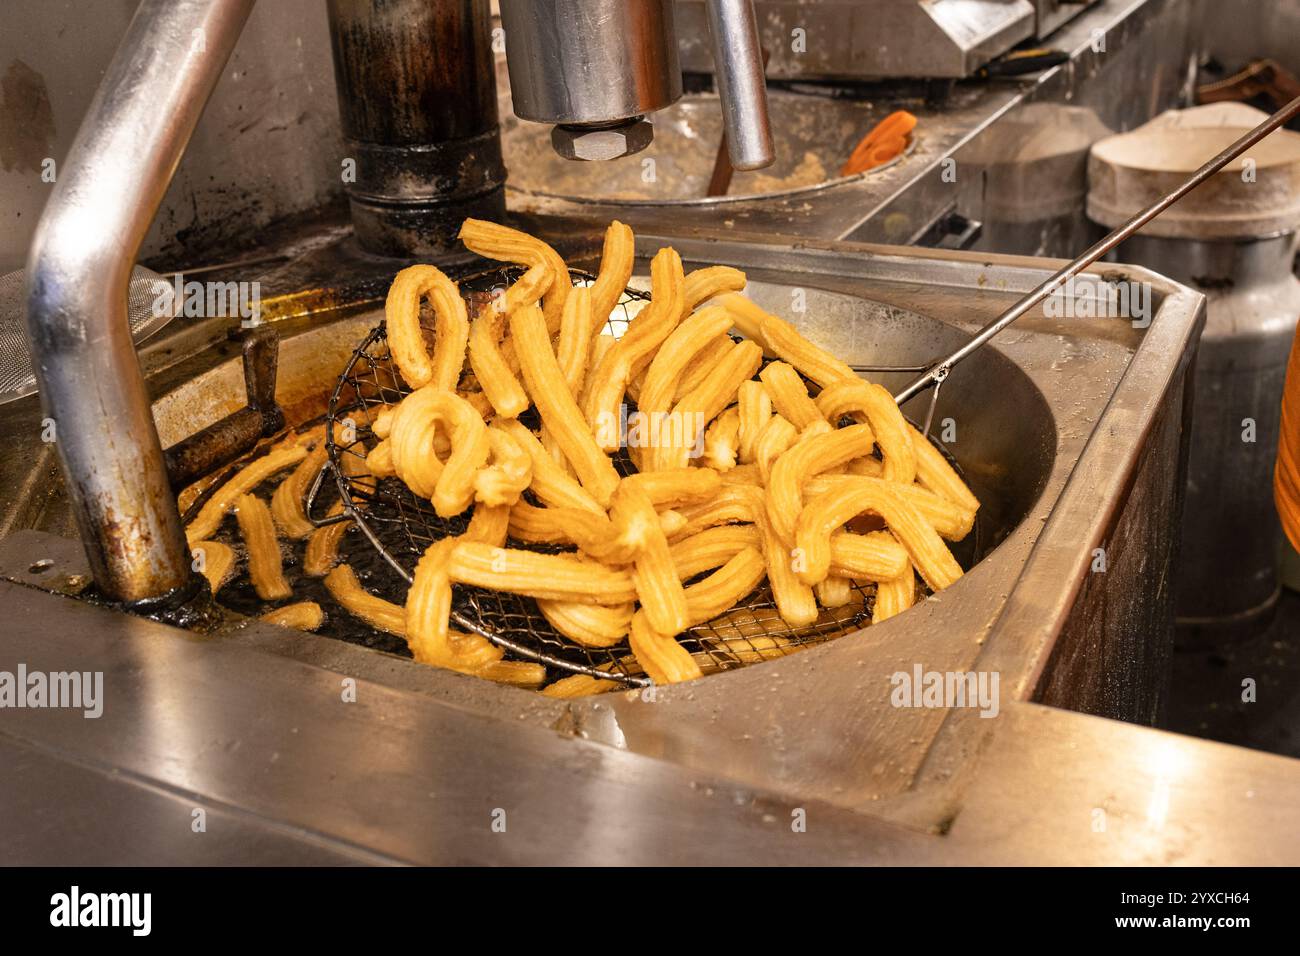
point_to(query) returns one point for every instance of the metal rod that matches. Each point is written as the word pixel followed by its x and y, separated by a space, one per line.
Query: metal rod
pixel 939 370
pixel 108 190
pixel 742 86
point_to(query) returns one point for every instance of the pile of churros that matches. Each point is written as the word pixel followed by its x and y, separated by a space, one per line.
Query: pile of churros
pixel 756 457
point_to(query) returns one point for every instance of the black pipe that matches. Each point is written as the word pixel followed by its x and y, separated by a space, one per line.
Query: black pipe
pixel 417 98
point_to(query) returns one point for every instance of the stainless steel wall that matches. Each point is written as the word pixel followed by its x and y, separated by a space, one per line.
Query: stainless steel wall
pixel 267 147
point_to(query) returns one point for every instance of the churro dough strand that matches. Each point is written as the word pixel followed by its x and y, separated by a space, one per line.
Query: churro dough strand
pixel 714 547
pixel 653 573
pixel 791 471
pixel 589 624
pixel 406 338
pixel 578 685
pixel 833 591
pixel 413 449
pixel 544 576
pixel 935 474
pixel 950 521
pixel 594 534
pixel 381 459
pixel 894 597
pixel 875 556
pixel 489 524
pixel 491 367
pixel 682 345
pixel 776 437
pixel 865 401
pixel 574 345
pixel 789 395
pixel 645 333
pixel 303 616
pixel 664 660
pixel 755 406
pixel 705 360
pixel 508 472
pixel 677 486
pixel 428 612
pixel 264 567
pixel 722 440
pixel 208 520
pixel 382 615
pixel 703 404
pixel 494 241
pixel 720 591
pixel 215 561
pixel 558 409
pixel 550 483
pixel 287 502
pixel 709 282
pixel 784 340
pixel 852 496
pixel 616 261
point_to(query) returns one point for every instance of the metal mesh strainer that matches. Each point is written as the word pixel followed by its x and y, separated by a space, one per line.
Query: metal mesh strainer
pixel 16 377
pixel 401 526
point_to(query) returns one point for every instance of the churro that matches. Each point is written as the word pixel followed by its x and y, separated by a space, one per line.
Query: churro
pixel 406 337
pixel 265 567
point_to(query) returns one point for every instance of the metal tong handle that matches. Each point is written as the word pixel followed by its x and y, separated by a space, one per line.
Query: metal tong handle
pixel 937 372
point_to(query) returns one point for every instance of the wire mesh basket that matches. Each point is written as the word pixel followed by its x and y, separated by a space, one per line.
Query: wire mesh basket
pixel 400 526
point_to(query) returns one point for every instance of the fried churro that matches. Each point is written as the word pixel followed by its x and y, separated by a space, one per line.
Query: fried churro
pixel 406 337
pixel 265 567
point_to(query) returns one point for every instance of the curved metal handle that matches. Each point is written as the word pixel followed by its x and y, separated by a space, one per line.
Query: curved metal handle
pixel 108 190
pixel 742 87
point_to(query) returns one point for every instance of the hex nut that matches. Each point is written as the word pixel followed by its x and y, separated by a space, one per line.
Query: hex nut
pixel 600 144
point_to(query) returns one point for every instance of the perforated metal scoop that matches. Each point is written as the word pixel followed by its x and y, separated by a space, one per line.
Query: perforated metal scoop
pixel 16 377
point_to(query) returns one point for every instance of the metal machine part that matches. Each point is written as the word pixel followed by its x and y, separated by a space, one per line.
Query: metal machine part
pixel 224 441
pixel 1228 561
pixel 417 100
pixel 880 39
pixel 78 273
pixel 595 68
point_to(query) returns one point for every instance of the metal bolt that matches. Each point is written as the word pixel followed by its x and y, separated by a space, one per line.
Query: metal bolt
pixel 602 143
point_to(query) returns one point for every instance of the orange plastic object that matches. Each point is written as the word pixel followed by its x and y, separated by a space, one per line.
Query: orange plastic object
pixel 1286 474
pixel 885 141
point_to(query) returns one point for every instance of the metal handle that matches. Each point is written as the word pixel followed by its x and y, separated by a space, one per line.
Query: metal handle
pixel 109 188
pixel 742 87
pixel 937 372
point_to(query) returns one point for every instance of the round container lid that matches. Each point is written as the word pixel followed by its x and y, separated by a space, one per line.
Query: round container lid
pixel 1257 194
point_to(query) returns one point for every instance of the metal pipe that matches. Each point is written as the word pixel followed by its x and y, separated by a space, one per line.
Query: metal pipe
pixel 742 86
pixel 939 371
pixel 417 98
pixel 107 193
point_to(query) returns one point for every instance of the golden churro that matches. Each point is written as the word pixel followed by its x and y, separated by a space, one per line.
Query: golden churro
pixel 495 241
pixel 548 576
pixel 287 502
pixel 657 586
pixel 722 440
pixel 215 561
pixel 406 337
pixel 616 261
pixel 645 333
pixel 894 596
pixel 755 407
pixel 303 616
pixel 789 395
pixel 265 568
pixel 556 406
pixel 208 520
pixel 589 624
pixel 872 404
pixel 791 471
pixel 783 340
pixel 851 496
